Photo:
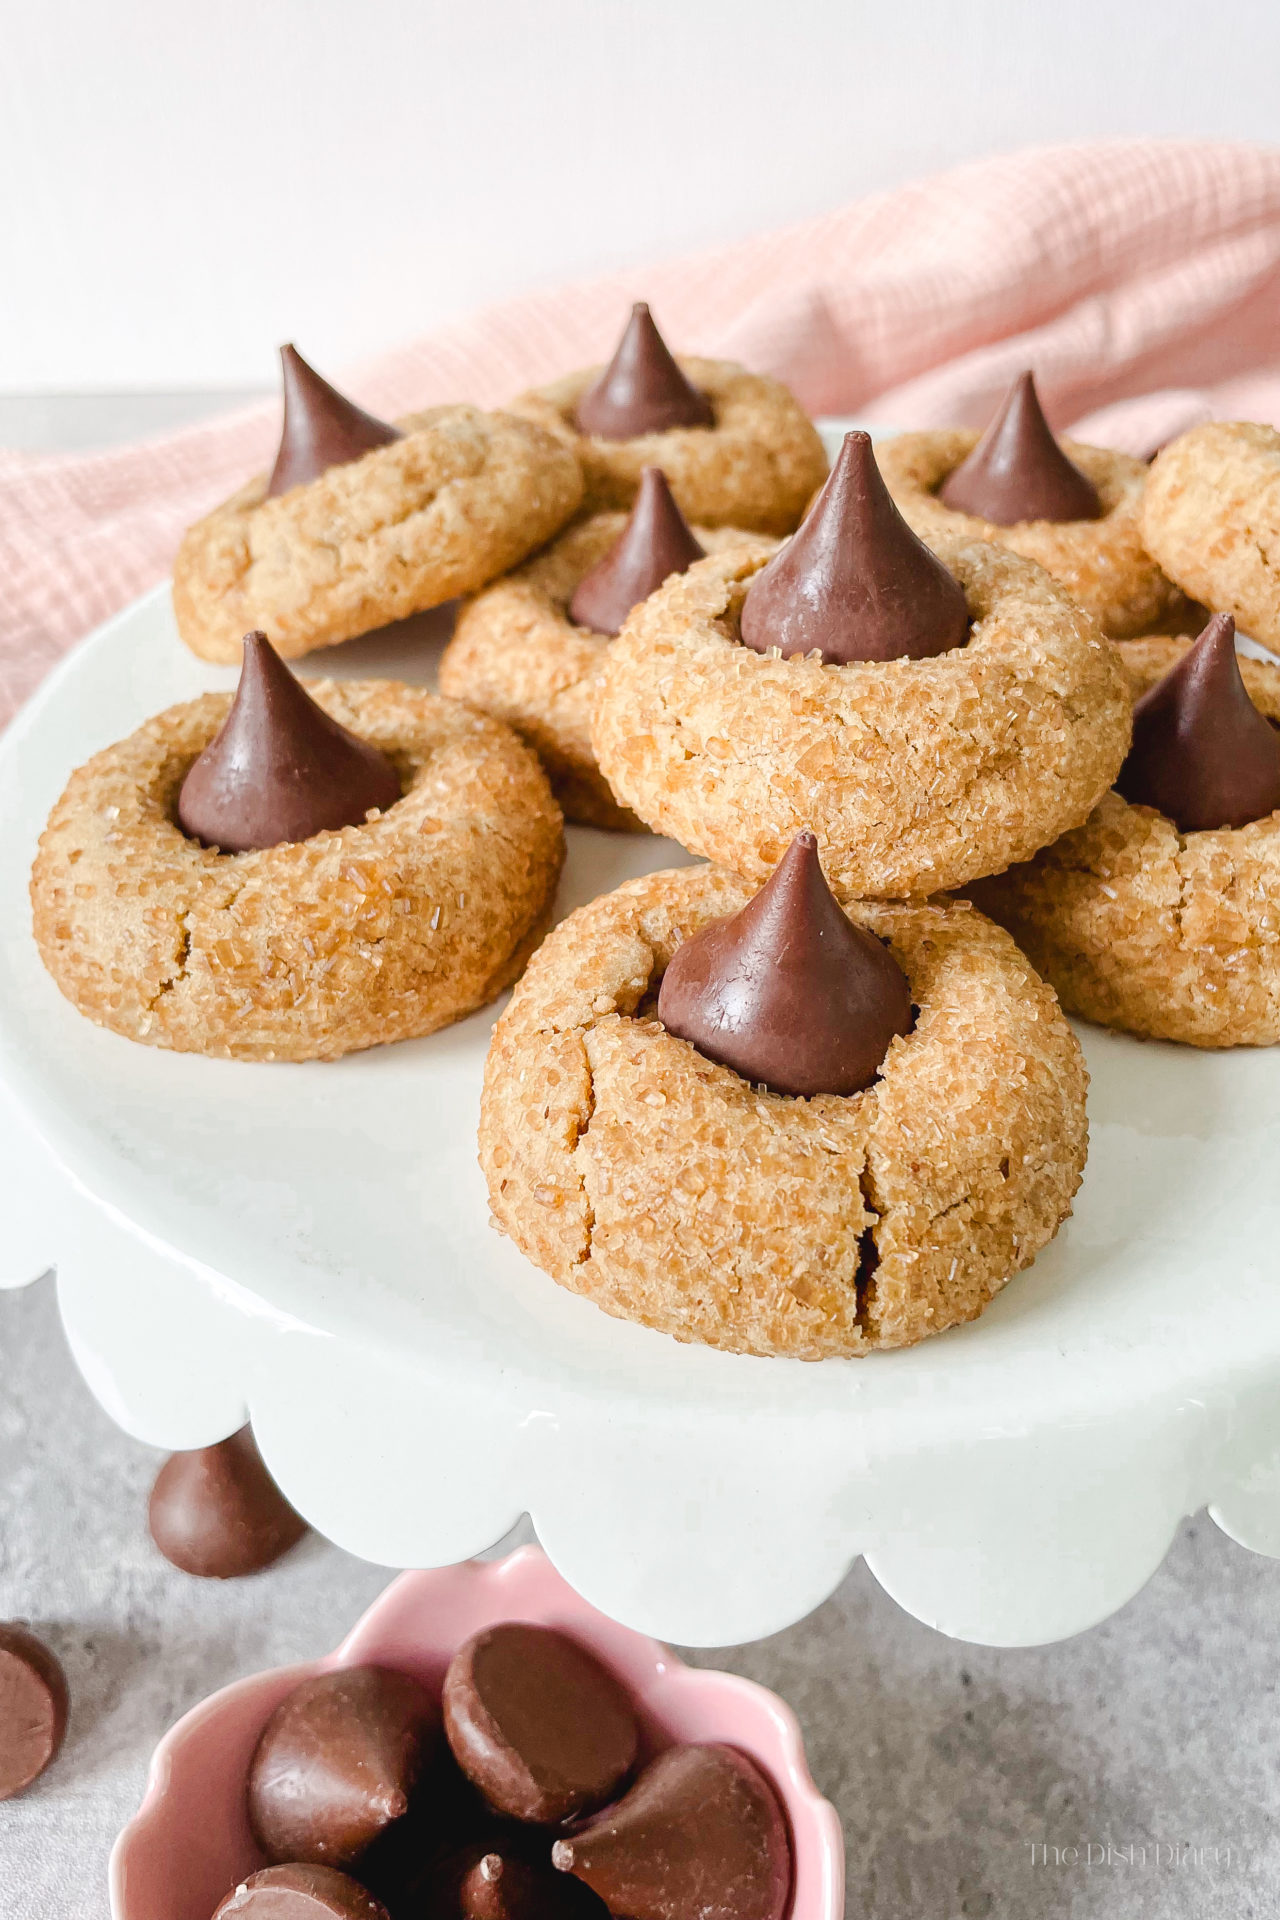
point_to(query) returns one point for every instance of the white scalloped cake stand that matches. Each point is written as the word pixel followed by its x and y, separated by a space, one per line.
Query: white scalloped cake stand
pixel 310 1244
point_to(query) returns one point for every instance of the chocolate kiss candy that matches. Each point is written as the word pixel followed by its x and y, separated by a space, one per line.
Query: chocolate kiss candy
pixel 642 390
pixel 33 1708
pixel 500 1886
pixel 216 1512
pixel 789 991
pixel 855 583
pixel 1202 753
pixel 337 1763
pixel 321 427
pixel 1018 471
pixel 537 1723
pixel 701 1832
pixel 655 543
pixel 279 768
pixel 300 1892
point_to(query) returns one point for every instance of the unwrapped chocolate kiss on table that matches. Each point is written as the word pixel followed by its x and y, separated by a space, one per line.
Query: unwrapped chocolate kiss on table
pixel 700 1833
pixel 855 583
pixel 33 1708
pixel 300 1892
pixel 279 768
pixel 642 390
pixel 1018 471
pixel 217 1513
pixel 655 543
pixel 321 427
pixel 537 1724
pixel 337 1764
pixel 1202 753
pixel 789 992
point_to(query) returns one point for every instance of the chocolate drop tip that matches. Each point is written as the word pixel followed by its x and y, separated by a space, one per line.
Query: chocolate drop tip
pixel 491 1867
pixel 562 1855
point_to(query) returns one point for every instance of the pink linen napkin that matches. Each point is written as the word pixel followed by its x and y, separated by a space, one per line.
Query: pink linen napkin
pixel 1140 279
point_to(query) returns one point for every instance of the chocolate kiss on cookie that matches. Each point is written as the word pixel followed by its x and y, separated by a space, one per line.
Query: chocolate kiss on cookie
pixel 300 1892
pixel 337 1764
pixel 279 768
pixel 537 1724
pixel 642 390
pixel 701 1832
pixel 789 992
pixel 855 583
pixel 33 1708
pixel 1202 753
pixel 216 1512
pixel 655 543
pixel 321 427
pixel 1018 471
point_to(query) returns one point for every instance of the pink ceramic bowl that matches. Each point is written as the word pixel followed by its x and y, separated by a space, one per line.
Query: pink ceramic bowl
pixel 189 1842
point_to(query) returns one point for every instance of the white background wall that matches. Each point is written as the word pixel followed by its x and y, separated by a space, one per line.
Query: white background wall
pixel 181 186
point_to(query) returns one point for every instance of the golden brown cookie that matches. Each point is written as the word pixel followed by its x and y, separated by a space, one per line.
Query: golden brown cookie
pixel 756 467
pixel 308 950
pixel 1138 926
pixel 460 498
pixel 914 774
pixel 1103 564
pixel 1211 516
pixel 670 1191
pixel 516 654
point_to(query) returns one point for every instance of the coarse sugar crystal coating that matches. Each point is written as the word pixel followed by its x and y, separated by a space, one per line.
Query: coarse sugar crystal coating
pixel 382 931
pixel 755 466
pixel 916 775
pixel 670 1191
pixel 516 654
pixel 1103 563
pixel 1211 516
pixel 1175 936
pixel 462 496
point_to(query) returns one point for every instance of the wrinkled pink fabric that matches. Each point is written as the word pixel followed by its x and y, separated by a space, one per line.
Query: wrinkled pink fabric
pixel 1140 279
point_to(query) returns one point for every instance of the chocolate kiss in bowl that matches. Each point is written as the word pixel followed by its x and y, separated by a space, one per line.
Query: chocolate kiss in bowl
pixel 855 583
pixel 537 1723
pixel 700 1833
pixel 1018 471
pixel 300 1892
pixel 279 768
pixel 642 390
pixel 337 1764
pixel 655 543
pixel 1202 753
pixel 501 1886
pixel 789 992
pixel 321 427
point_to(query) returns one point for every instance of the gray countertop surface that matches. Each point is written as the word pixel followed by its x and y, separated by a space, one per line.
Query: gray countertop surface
pixel 1129 1773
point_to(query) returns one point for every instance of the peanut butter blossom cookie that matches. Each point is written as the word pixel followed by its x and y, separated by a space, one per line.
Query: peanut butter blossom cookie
pixel 1075 509
pixel 531 649
pixel 1161 914
pixel 291 875
pixel 1211 516
pixel 360 522
pixel 774 1126
pixel 931 715
pixel 737 449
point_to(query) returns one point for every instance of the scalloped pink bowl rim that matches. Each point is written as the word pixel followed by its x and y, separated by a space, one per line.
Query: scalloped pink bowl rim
pixel 189 1842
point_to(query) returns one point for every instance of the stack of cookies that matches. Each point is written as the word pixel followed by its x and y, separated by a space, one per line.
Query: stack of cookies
pixel 805 1098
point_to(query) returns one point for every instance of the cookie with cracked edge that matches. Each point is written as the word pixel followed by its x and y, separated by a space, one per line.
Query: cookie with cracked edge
pixel 382 931
pixel 1175 936
pixel 669 1191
